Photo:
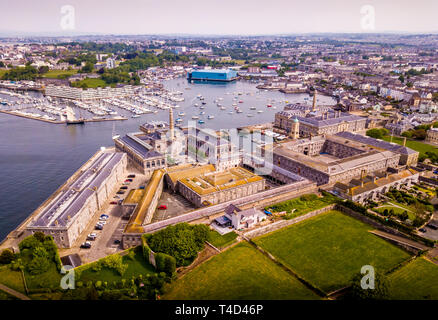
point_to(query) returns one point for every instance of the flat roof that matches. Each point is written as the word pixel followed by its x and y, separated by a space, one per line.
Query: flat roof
pixel 61 210
pixel 218 181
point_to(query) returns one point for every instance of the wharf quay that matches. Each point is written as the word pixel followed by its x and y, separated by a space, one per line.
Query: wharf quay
pixel 16 88
pixel 59 121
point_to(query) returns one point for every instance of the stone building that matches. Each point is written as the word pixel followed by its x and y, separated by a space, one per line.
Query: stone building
pixel 408 156
pixel 432 135
pixel 317 120
pixel 330 159
pixel 67 215
pixel 369 188
pixel 216 187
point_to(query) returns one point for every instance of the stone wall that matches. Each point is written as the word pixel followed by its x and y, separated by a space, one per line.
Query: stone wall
pixel 285 223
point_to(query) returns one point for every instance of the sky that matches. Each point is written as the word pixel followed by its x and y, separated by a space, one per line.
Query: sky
pixel 221 17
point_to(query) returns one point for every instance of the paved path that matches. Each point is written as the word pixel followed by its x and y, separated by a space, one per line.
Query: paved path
pixel 14 293
pixel 401 240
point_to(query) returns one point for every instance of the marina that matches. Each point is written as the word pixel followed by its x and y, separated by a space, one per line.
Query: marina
pixel 55 152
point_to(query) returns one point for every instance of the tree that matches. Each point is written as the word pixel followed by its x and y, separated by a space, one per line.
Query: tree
pixel 377 133
pixel 7 256
pixel 409 84
pixel 404 216
pixel 2 65
pixel 43 69
pixel 88 68
pixel 401 78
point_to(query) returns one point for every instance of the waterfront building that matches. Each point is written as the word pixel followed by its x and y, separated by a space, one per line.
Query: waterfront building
pixel 212 75
pixel 317 120
pixel 66 214
pixel 88 94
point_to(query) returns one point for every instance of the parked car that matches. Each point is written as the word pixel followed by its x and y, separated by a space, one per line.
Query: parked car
pixel 101 222
pixel 432 225
pixel 120 192
pixel 142 187
pixel 104 216
pixel 86 245
pixel 98 227
pixel 125 183
pixel 128 180
pixel 124 187
pixel 92 236
pixel 116 197
pixel 422 230
pixel 131 176
pixel 114 202
pixel 117 241
pixel 162 207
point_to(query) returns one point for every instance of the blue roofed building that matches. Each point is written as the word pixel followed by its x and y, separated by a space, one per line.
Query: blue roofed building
pixel 212 75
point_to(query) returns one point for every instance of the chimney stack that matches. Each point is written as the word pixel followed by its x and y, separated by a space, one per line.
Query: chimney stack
pixel 171 125
pixel 314 101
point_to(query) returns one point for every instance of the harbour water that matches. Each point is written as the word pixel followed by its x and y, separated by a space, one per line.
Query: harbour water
pixel 37 157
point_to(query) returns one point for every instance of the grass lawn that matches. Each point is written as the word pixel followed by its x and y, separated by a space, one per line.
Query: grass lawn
pixel 12 279
pixel 302 205
pixel 240 272
pixel 417 280
pixel 397 211
pixel 221 241
pixel 330 249
pixel 135 267
pixel 59 73
pixel 91 83
pixel 2 72
pixel 413 144
pixel 49 279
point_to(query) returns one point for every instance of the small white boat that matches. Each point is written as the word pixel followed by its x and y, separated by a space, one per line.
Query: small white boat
pixel 135 116
pixel 249 115
pixel 202 112
pixel 195 117
pixel 260 111
pixel 181 114
pixel 252 108
pixel 223 108
pixel 210 117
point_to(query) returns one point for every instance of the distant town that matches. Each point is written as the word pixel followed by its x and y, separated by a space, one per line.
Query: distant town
pixel 340 174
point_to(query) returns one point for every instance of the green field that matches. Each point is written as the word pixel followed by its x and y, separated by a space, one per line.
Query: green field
pixel 330 249
pixel 135 267
pixel 240 272
pixel 59 73
pixel 91 83
pixel 301 205
pixel 413 144
pixel 417 280
pixel 221 241
pixel 12 279
pixel 2 72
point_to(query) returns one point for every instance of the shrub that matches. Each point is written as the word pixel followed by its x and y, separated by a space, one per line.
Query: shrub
pixel 165 263
pixel 7 256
